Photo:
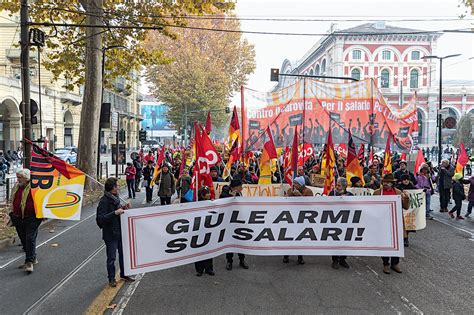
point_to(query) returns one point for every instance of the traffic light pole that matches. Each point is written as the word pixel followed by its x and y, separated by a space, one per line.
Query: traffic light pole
pixel 25 83
pixel 117 150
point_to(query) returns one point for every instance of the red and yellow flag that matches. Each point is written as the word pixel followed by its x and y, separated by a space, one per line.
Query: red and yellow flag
pixel 353 167
pixel 269 153
pixel 234 128
pixel 330 163
pixel 234 155
pixel 158 165
pixel 463 158
pixel 387 159
pixel 57 187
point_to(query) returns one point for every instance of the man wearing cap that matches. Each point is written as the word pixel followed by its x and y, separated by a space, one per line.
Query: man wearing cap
pixel 356 181
pixel 388 188
pixel 228 191
pixel 301 173
pixel 299 189
pixel 403 170
pixel 215 174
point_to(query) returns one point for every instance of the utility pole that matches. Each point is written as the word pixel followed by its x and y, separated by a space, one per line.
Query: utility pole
pixel 25 83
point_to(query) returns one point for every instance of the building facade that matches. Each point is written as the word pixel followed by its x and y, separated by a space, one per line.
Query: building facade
pixel 393 57
pixel 61 108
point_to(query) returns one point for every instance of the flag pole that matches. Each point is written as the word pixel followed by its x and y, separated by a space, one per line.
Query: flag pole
pixel 102 185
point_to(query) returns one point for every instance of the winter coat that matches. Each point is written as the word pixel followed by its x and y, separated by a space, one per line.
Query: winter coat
pixel 423 182
pixel 108 220
pixel 130 172
pixel 445 177
pixel 470 195
pixel 226 192
pixel 167 185
pixel 398 174
pixel 184 184
pixel 148 173
pixel 458 191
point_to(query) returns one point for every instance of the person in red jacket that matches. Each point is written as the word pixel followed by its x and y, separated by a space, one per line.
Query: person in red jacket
pixel 24 219
pixel 130 172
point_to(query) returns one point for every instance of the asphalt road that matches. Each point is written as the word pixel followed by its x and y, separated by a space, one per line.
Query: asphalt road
pixel 437 278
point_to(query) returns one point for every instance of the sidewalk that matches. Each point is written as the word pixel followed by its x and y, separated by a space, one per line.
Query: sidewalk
pixel 466 225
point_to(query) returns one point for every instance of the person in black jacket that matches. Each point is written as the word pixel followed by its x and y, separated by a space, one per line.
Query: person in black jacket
pixel 138 167
pixel 108 219
pixel 403 170
pixel 228 191
pixel 147 176
pixel 204 193
pixel 458 196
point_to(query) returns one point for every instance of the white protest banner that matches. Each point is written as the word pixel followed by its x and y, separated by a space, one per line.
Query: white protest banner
pixel 163 237
pixel 415 216
pixel 360 191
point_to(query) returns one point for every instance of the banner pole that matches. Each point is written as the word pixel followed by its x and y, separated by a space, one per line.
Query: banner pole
pixel 304 107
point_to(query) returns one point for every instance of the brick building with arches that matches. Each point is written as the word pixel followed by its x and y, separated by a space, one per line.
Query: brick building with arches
pixel 393 57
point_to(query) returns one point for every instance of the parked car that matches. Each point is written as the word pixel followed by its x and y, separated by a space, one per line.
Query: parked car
pixel 68 154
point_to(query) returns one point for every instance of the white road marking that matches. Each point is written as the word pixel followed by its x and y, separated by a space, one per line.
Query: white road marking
pixel 471 235
pixel 412 306
pixel 63 281
pixel 122 304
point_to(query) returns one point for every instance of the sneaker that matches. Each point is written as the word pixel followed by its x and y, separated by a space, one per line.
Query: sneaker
pixel 23 266
pixel 467 215
pixel 344 264
pixel 228 266
pixel 459 218
pixel 300 261
pixel 29 267
pixel 451 215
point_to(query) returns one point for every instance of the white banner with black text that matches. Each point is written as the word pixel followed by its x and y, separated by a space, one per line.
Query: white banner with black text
pixel 162 237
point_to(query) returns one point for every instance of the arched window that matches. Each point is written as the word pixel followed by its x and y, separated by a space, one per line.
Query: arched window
pixel 385 78
pixel 311 72
pixel 323 66
pixel 414 79
pixel 317 72
pixel 355 73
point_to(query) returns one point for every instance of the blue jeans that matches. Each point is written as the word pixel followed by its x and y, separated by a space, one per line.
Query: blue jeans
pixel 111 247
pixel 428 203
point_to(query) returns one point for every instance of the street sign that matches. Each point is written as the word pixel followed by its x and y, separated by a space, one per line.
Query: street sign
pixel 115 120
pixel 122 153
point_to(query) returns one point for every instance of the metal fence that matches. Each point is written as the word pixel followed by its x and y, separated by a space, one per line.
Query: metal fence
pixel 6 189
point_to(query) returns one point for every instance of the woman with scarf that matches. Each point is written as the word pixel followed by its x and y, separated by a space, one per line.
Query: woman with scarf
pixel 23 217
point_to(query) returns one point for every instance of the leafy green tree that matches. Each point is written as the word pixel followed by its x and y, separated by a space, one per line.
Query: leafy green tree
pixel 206 69
pixel 75 52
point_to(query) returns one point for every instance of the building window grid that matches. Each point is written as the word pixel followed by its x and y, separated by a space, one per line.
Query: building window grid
pixel 355 73
pixel 385 79
pixel 357 54
pixel 415 55
pixel 414 77
pixel 386 55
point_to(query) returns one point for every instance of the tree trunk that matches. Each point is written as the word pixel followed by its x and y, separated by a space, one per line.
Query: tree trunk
pixel 88 135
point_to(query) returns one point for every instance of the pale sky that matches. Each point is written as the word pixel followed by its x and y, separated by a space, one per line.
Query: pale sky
pixel 271 50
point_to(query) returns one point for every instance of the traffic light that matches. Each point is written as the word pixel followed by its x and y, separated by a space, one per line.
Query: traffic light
pixel 274 74
pixel 227 110
pixel 142 135
pixel 122 135
pixel 33 112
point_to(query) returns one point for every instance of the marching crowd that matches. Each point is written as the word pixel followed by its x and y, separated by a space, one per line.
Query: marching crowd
pixel 174 183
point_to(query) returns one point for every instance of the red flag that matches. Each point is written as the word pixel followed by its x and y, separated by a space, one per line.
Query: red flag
pixel 353 164
pixel 403 157
pixel 288 173
pixel 158 165
pixel 330 163
pixel 360 154
pixel 387 160
pixel 234 128
pixel 294 153
pixel 463 158
pixel 371 156
pixel 420 159
pixel 306 152
pixel 208 123
pixel 206 157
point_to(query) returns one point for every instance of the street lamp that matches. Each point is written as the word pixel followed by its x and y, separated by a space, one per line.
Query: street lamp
pixel 440 100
